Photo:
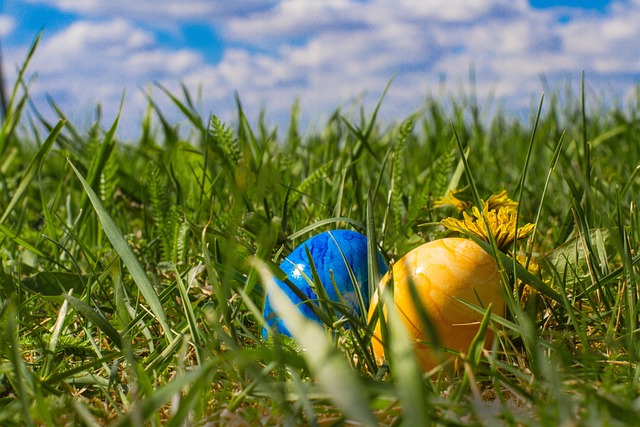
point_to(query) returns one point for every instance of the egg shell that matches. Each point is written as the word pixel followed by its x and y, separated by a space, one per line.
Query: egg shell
pixel 442 270
pixel 327 250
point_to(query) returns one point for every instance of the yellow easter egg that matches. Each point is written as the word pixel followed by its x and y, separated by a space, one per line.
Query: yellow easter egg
pixel 442 272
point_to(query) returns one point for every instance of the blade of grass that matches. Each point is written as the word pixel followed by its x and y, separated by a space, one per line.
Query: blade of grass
pixel 96 318
pixel 586 146
pixel 552 167
pixel 187 110
pixel 354 283
pixel 146 408
pixel 191 317
pixel 519 271
pixel 372 249
pixel 364 132
pixel 404 365
pixel 356 224
pixel 99 161
pixel 197 392
pixel 473 358
pixel 84 413
pixel 32 170
pixel 128 257
pixel 322 307
pixel 55 335
pixel 14 236
pixel 327 364
pixel 8 316
pixel 15 106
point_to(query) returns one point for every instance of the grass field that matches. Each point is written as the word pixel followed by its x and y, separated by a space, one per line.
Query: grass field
pixel 131 294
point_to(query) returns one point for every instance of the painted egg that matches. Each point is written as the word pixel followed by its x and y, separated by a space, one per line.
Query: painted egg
pixel 329 251
pixel 443 272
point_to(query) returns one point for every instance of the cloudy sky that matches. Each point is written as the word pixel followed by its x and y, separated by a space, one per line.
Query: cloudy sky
pixel 326 53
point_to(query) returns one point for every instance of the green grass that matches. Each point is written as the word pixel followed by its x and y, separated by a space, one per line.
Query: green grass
pixel 133 274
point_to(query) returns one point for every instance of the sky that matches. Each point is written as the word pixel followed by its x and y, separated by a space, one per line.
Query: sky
pixel 327 54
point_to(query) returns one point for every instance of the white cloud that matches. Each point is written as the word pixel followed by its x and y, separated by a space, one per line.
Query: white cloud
pixel 457 11
pixel 294 18
pixel 327 52
pixel 96 62
pixel 159 12
pixel 416 39
pixel 7 24
pixel 605 45
pixel 91 46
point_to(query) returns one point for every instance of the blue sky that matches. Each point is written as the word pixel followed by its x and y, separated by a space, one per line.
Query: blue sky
pixel 326 53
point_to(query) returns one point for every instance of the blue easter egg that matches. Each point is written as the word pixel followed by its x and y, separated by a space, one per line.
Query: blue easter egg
pixel 327 250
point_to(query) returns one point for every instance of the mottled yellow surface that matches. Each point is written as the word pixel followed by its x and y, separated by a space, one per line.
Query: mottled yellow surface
pixel 443 270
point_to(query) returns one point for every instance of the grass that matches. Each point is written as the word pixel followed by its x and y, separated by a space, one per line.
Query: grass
pixel 133 274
